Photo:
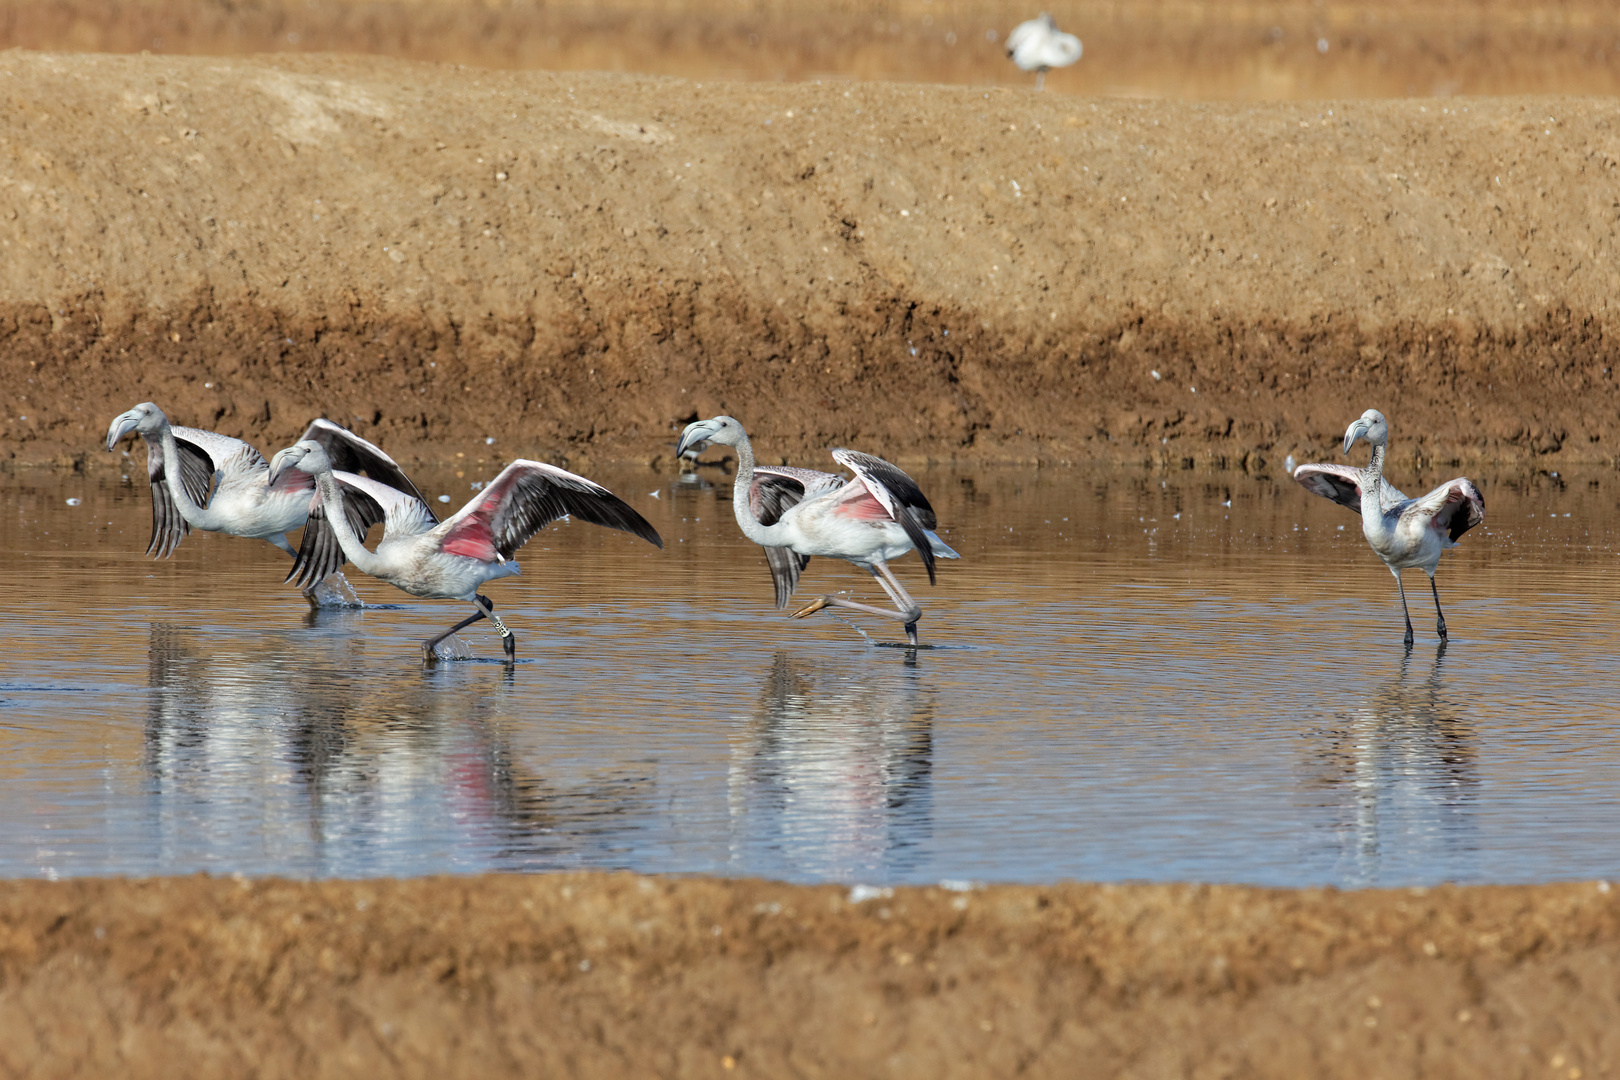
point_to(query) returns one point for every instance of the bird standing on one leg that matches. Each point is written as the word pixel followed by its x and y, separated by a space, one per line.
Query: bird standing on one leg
pixel 871 519
pixel 1038 46
pixel 1403 532
pixel 445 560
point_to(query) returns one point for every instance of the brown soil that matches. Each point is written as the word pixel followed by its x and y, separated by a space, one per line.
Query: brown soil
pixel 612 975
pixel 1256 49
pixel 576 264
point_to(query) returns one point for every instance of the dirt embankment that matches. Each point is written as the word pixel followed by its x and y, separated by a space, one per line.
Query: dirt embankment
pixel 1190 49
pixel 606 976
pixel 575 264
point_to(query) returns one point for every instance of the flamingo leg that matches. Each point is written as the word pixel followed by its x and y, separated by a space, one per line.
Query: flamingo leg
pixel 1040 80
pixel 905 608
pixel 508 639
pixel 1439 616
pixel 486 610
pixel 1404 612
pixel 902 599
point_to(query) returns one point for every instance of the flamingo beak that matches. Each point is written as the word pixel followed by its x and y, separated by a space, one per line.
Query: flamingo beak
pixel 1358 430
pixel 694 434
pixel 121 427
pixel 283 460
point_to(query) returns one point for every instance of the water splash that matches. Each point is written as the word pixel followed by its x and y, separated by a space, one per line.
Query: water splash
pixel 851 623
pixel 334 591
pixel 453 648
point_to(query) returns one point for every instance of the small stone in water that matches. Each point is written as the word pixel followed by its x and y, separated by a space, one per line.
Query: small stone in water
pixel 74 502
pixel 444 498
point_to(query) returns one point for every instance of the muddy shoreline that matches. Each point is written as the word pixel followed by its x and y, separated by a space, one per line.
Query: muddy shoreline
pixel 594 975
pixel 577 264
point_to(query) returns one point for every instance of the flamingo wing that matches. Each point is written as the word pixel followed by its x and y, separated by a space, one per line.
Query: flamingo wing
pixel 1341 483
pixel 196 478
pixel 893 492
pixel 237 465
pixel 527 496
pixel 351 454
pixel 1453 508
pixel 775 489
pixel 319 552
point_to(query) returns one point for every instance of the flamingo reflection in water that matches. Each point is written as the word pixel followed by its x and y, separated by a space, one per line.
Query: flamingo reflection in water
pixel 834 777
pixel 1404 769
pixel 345 772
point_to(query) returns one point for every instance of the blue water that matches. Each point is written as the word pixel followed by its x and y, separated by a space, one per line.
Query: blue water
pixel 1118 694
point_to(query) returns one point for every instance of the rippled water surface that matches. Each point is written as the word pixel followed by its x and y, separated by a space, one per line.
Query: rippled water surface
pixel 1139 675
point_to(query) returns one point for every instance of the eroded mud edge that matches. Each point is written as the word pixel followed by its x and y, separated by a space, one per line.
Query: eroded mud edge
pixel 911 381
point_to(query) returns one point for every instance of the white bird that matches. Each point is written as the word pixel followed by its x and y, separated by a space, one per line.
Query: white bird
pixel 446 560
pixel 208 481
pixel 869 520
pixel 1038 46
pixel 1403 532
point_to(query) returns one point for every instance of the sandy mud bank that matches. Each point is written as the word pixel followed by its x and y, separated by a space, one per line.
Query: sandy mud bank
pixel 575 265
pixel 613 975
pixel 1199 49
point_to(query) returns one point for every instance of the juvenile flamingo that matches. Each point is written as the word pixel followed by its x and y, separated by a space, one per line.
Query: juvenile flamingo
pixel 1038 46
pixel 1403 532
pixel 869 520
pixel 208 481
pixel 445 560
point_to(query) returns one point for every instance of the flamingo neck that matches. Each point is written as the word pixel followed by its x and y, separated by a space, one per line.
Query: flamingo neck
pixel 740 504
pixel 198 517
pixel 337 520
pixel 1372 480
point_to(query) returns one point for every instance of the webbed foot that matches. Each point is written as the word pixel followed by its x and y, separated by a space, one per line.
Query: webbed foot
pixel 811 608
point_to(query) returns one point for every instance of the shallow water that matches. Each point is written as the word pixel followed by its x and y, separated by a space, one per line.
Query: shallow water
pixel 1134 681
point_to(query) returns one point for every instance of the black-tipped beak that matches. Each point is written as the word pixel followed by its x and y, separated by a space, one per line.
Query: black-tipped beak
pixel 690 440
pixel 121 427
pixel 279 464
pixel 1358 430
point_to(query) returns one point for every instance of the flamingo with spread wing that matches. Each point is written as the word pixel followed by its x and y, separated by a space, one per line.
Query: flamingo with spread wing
pixel 444 560
pixel 1403 532
pixel 869 519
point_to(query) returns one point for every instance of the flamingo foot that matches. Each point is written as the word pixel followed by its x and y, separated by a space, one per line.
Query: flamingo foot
pixel 811 608
pixel 1440 628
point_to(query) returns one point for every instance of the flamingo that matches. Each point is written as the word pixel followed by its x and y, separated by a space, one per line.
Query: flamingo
pixel 1038 46
pixel 184 463
pixel 869 520
pixel 1403 532
pixel 444 560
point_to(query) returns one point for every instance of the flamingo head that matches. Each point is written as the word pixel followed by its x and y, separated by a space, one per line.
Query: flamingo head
pixel 722 429
pixel 306 456
pixel 145 418
pixel 1370 426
